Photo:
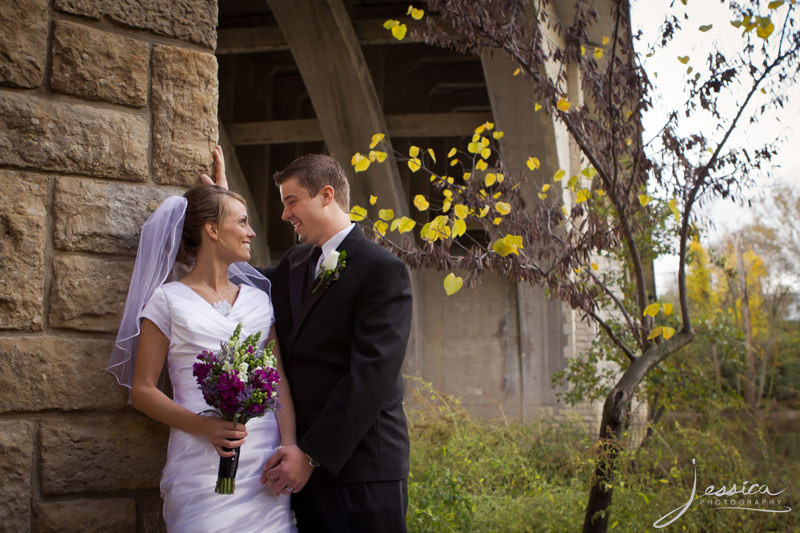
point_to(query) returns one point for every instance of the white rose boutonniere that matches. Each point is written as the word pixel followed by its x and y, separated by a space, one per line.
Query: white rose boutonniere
pixel 332 267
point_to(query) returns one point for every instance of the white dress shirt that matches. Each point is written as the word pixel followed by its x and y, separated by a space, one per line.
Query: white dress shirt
pixel 331 244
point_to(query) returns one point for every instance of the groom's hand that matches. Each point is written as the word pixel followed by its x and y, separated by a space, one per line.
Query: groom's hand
pixel 220 178
pixel 287 468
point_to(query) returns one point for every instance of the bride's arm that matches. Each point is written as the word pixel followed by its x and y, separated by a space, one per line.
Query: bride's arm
pixel 285 414
pixel 147 398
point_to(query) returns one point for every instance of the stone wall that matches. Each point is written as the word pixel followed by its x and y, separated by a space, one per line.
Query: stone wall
pixel 105 109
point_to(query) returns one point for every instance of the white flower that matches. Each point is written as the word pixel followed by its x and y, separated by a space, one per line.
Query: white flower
pixel 331 261
pixel 242 368
pixel 226 366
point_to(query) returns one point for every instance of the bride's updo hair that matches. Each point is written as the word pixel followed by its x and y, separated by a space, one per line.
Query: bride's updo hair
pixel 205 203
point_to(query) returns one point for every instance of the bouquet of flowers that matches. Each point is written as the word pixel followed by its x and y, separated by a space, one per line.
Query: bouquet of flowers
pixel 240 382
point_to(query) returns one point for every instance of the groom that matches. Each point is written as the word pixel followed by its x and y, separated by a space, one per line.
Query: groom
pixel 343 332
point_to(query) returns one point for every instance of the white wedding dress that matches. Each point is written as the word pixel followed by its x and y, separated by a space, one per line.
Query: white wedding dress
pixel 190 474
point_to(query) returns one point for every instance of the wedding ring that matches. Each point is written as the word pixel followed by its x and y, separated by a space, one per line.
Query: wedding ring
pixel 290 489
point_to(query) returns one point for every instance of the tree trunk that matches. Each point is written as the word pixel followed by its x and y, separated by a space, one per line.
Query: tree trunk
pixel 750 380
pixel 615 412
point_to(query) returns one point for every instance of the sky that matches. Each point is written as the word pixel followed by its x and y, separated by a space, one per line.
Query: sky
pixel 648 15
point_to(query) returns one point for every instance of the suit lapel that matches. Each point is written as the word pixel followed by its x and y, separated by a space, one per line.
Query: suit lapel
pixel 349 245
pixel 297 272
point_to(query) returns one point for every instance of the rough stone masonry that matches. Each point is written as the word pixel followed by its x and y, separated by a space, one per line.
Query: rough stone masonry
pixel 105 109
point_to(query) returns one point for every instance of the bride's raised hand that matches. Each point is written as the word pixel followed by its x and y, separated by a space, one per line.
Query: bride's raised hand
pixel 221 433
pixel 220 179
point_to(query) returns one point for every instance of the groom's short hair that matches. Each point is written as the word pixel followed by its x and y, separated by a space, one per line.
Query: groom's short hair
pixel 315 171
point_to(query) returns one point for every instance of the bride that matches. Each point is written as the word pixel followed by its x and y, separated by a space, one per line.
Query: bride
pixel 173 322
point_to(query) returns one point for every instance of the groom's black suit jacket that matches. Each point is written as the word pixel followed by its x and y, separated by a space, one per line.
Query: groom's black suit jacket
pixel 343 348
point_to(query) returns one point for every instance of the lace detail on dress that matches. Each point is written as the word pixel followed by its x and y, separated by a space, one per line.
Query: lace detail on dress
pixel 223 307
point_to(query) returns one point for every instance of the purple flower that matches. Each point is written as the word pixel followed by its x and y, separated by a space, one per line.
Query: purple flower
pixel 255 409
pixel 201 370
pixel 229 386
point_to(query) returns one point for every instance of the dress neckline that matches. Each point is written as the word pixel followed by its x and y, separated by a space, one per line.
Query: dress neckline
pixel 219 305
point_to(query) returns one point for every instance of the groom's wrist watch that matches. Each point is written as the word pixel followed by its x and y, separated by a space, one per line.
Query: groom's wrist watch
pixel 312 462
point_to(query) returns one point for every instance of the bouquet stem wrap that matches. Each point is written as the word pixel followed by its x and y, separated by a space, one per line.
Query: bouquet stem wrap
pixel 226 475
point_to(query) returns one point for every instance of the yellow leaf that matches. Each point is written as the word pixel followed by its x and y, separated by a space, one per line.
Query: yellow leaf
pixel 595 267
pixel 605 40
pixel 488 125
pixel 360 162
pixel 447 193
pixel 446 205
pixel 395 224
pixel 452 284
pixel 378 137
pixel 451 180
pixel 399 31
pixel 497 195
pixel 542 196
pixel 414 164
pixel 563 105
pixel 375 155
pixel 666 308
pixel 483 211
pixel 490 179
pixel 683 59
pixel 765 31
pixel 533 163
pixel 358 213
pixel 775 5
pixel 652 309
pixel 503 208
pixel 386 214
pixel 705 27
pixel 559 175
pixel 406 224
pixel 486 152
pixel 628 114
pixel 426 233
pixel 417 14
pixel 500 177
pixel 598 52
pixel 600 192
pixel 459 228
pixel 498 134
pixel 466 176
pixel 481 165
pixel 380 226
pixel 583 196
pixel 433 155
pixel 461 211
pixel 452 152
pixel 421 203
pixel 372 199
pixel 510 244
pixel 389 24
pixel 497 220
pixel 564 210
pixel 589 172
pixel 644 199
pixel 474 147
pixel 673 206
pixel 537 106
pixel 628 141
pixel 516 72
pixel 583 50
pixel 573 180
pixel 453 162
pixel 668 332
pixel 655 333
pixel 413 151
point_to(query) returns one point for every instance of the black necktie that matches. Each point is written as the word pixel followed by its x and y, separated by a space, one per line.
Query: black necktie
pixel 312 267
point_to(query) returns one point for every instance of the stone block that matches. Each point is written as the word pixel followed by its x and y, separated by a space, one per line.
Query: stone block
pixel 23 235
pixel 39 133
pixel 184 103
pixel 102 453
pixel 103 217
pixel 151 514
pixel 23 42
pixel 16 463
pixel 88 293
pixel 98 65
pixel 108 515
pixel 188 20
pixel 46 372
